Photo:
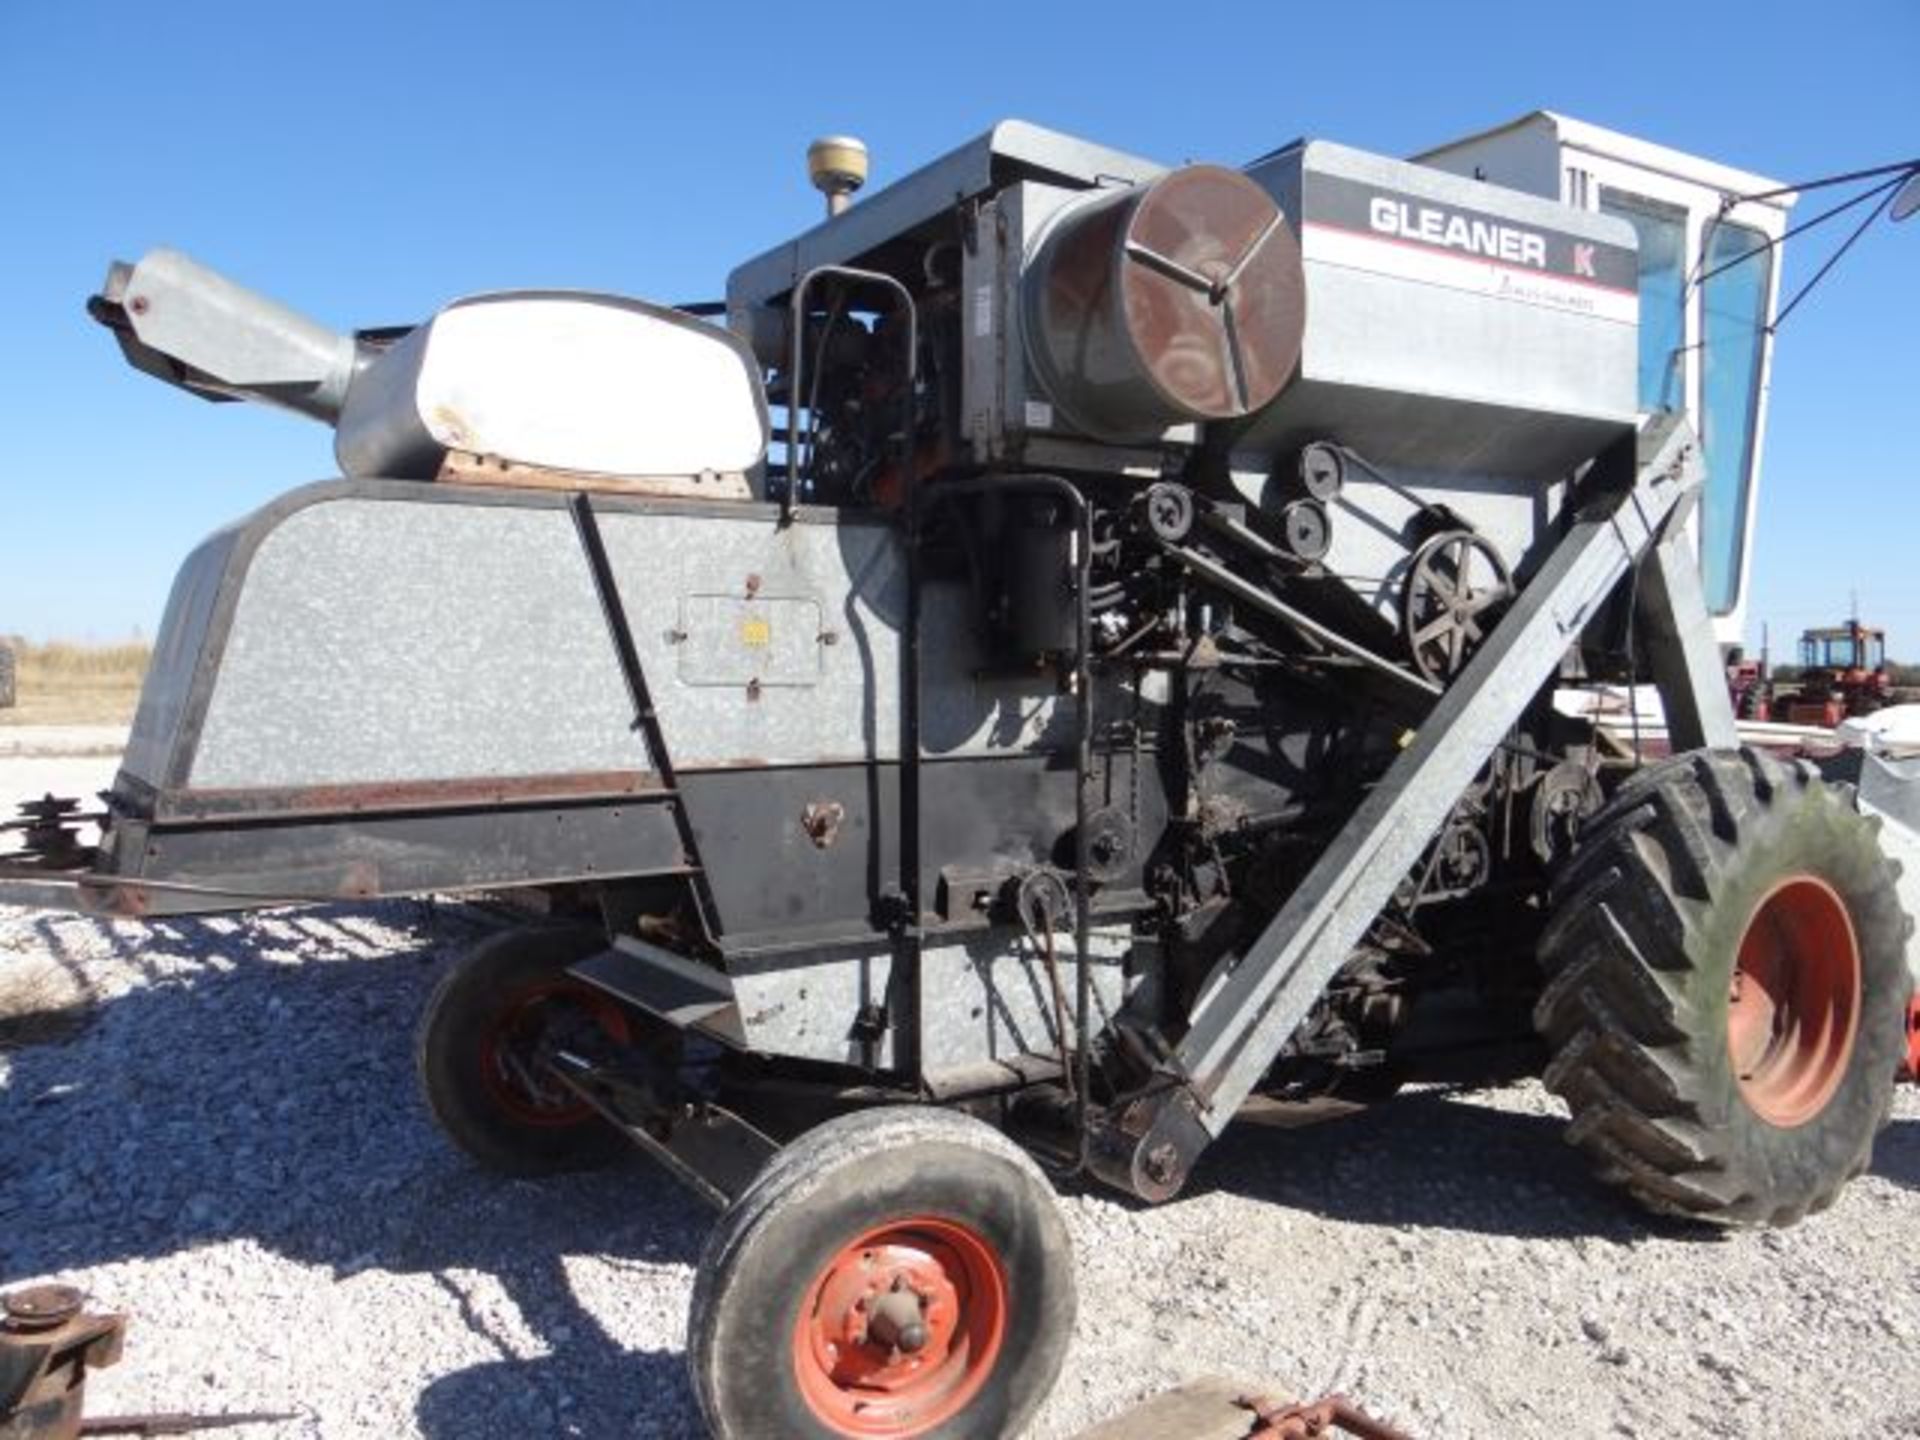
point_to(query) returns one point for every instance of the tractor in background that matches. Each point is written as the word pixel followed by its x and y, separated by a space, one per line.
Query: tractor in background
pixel 1843 675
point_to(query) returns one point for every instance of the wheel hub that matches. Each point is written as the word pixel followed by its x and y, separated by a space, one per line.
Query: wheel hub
pixel 511 1067
pixel 901 1328
pixel 1794 1004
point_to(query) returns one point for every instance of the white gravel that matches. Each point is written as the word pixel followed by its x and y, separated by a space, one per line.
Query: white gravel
pixel 62 740
pixel 235 1153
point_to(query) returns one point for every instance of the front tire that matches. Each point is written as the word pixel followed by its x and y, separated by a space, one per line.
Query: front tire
pixel 898 1272
pixel 1726 985
pixel 477 1052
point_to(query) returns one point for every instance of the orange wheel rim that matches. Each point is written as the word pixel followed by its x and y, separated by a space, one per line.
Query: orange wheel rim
pixel 1794 1006
pixel 900 1330
pixel 1910 1068
pixel 506 1052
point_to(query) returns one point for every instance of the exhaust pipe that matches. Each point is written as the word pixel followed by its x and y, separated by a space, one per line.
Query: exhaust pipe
pixel 179 321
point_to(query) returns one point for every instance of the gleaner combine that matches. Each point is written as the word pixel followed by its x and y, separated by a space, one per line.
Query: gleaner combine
pixel 1080 656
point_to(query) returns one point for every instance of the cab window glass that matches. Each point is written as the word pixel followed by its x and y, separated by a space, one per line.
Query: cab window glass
pixel 1663 245
pixel 1733 336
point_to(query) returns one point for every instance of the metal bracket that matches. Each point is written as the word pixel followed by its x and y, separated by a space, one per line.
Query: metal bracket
pixel 711 1149
pixel 1676 631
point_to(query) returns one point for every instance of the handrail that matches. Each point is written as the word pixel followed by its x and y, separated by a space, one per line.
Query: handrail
pixel 796 368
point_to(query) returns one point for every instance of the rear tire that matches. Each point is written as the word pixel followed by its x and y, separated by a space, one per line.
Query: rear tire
pixel 1726 985
pixel 480 1030
pixel 879 1208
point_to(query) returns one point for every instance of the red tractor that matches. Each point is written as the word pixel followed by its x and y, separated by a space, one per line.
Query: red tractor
pixel 1843 673
pixel 1749 686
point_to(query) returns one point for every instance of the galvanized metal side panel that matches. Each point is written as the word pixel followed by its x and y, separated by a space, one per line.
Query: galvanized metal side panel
pixel 846 579
pixel 180 651
pixel 381 640
pixel 1890 788
pixel 983 998
pixel 373 633
pixel 807 1004
pixel 991 998
pixel 1523 154
pixel 1448 348
pixel 1011 150
pixel 846 574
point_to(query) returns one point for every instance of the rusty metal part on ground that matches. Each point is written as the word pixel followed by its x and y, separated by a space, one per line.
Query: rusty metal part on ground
pixel 1279 1421
pixel 173 1422
pixel 48 1343
pixel 1214 1407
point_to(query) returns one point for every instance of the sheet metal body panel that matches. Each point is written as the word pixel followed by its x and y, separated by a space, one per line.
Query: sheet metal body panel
pixel 1889 787
pixel 184 652
pixel 983 998
pixel 1450 324
pixel 369 649
pixel 386 638
pixel 1012 150
pixel 200 867
pixel 378 633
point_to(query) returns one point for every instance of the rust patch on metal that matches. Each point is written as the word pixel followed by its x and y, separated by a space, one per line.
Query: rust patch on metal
pixel 133 901
pixel 288 801
pixel 821 820
pixel 1180 300
pixel 360 880
pixel 463 467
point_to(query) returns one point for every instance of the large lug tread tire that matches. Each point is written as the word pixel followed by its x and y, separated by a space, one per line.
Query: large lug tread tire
pixel 1640 954
pixel 842 1179
pixel 465 1007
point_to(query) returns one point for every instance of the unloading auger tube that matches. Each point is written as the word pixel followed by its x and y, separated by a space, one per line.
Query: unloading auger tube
pixel 1086 653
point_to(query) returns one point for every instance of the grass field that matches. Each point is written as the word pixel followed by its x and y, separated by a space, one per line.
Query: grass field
pixel 64 683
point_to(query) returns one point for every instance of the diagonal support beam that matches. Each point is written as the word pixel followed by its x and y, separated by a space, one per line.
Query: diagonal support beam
pixel 1251 1004
pixel 1677 633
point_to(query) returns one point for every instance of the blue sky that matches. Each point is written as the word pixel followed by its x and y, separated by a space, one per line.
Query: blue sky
pixel 366 161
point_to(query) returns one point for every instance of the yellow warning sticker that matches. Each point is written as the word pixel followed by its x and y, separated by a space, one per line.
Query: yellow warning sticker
pixel 756 632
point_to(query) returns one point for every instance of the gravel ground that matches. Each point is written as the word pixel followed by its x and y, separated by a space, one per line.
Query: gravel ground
pixel 59 740
pixel 234 1152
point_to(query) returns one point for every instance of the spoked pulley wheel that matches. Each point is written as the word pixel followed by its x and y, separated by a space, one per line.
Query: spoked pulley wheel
pixel 1457 584
pixel 900 1272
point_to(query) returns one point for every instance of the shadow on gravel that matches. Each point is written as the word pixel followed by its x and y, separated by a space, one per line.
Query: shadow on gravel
pixel 1896 1155
pixel 258 1085
pixel 589 1387
pixel 1432 1158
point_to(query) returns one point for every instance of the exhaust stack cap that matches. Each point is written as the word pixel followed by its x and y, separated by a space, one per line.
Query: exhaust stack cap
pixel 837 166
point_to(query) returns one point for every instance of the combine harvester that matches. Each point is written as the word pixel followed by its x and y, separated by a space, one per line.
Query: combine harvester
pixel 1083 653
